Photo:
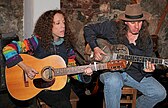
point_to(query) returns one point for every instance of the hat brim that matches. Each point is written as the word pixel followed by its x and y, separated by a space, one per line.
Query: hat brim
pixel 145 17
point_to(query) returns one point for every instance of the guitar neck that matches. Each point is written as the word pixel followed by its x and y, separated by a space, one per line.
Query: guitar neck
pixel 78 69
pixel 142 59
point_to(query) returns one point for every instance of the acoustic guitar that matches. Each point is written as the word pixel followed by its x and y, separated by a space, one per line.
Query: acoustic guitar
pixel 52 75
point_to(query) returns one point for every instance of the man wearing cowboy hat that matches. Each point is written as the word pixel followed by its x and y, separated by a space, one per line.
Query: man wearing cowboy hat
pixel 132 31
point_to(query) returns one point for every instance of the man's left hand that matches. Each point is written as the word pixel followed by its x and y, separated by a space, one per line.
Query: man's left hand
pixel 149 67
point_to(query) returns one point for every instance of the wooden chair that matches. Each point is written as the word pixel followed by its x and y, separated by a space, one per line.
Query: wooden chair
pixel 128 97
pixel 73 99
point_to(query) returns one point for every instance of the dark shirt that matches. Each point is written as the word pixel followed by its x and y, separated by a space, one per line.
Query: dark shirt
pixel 60 50
pixel 108 30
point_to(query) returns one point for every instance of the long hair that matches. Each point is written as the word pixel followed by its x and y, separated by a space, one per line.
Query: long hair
pixel 143 33
pixel 43 27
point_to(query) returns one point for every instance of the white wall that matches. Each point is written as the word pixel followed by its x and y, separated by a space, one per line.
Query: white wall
pixel 41 6
pixel 33 9
pixel 28 18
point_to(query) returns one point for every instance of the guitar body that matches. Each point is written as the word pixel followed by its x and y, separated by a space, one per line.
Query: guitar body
pixel 22 88
pixel 109 49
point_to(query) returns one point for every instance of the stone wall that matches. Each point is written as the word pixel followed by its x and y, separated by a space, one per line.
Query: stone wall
pixel 81 12
pixel 11 17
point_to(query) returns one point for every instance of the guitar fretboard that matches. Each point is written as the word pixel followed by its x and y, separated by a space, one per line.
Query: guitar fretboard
pixel 141 59
pixel 75 70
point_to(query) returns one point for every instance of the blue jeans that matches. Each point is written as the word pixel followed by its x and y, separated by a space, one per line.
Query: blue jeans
pixel 152 91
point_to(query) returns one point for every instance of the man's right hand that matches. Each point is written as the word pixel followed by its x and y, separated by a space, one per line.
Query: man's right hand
pixel 98 54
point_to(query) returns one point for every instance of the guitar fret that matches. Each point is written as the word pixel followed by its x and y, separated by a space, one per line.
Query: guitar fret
pixel 75 70
pixel 155 61
pixel 145 59
pixel 135 58
pixel 152 60
pixel 140 59
pixel 149 59
pixel 160 61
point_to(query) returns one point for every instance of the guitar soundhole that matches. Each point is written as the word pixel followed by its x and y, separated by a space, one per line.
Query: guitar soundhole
pixel 47 73
pixel 40 83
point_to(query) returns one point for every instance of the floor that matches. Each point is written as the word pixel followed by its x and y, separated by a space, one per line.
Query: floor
pixel 90 101
pixel 85 102
pixel 6 101
pixel 96 101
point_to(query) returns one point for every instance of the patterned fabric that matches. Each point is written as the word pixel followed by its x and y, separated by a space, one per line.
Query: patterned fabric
pixel 71 63
pixel 11 51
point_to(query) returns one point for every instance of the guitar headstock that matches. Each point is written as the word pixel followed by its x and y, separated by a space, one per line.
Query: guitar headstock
pixel 117 65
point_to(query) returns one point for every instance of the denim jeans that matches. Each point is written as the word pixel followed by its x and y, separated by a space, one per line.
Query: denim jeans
pixel 152 91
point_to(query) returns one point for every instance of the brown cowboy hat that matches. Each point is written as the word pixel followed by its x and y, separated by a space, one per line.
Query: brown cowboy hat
pixel 134 12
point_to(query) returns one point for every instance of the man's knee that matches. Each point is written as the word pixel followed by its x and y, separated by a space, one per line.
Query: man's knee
pixel 160 94
pixel 111 79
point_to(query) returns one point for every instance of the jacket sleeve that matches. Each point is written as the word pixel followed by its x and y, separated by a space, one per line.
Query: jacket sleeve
pixel 93 31
pixel 72 62
pixel 11 51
